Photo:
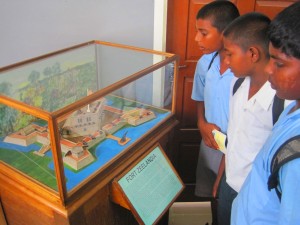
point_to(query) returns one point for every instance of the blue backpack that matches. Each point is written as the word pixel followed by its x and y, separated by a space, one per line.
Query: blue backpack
pixel 288 151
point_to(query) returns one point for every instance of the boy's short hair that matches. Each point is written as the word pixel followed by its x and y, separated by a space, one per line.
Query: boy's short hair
pixel 221 13
pixel 284 31
pixel 249 30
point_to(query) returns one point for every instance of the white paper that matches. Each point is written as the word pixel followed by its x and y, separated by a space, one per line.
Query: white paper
pixel 220 138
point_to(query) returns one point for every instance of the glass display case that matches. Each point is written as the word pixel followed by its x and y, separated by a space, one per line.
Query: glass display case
pixel 67 116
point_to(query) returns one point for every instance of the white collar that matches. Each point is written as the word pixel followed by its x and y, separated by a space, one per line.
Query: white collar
pixel 264 97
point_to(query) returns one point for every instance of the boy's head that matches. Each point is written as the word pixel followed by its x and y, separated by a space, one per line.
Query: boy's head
pixel 246 44
pixel 211 20
pixel 284 49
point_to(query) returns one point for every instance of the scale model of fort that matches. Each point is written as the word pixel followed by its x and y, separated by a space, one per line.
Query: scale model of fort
pixel 82 130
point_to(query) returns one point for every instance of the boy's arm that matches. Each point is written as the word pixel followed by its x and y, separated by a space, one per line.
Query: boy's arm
pixel 206 128
pixel 289 180
pixel 219 176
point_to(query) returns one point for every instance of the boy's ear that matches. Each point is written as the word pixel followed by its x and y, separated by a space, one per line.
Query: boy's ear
pixel 254 54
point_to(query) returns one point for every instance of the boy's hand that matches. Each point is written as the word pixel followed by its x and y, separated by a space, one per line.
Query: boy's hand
pixel 207 136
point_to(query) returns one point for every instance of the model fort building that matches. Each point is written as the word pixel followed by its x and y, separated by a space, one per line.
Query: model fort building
pixel 75 154
pixel 138 116
pixel 87 120
pixel 29 135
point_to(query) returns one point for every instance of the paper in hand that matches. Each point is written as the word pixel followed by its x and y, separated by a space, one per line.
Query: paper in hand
pixel 220 138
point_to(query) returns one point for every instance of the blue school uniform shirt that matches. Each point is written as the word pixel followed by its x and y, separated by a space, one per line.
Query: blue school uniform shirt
pixel 214 89
pixel 255 204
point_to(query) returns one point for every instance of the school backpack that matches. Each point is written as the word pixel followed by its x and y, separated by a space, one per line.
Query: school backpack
pixel 278 104
pixel 288 151
pixel 212 60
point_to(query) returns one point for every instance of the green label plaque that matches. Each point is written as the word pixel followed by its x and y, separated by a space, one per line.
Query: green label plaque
pixel 151 186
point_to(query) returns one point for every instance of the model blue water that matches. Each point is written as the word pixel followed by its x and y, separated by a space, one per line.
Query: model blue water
pixel 105 151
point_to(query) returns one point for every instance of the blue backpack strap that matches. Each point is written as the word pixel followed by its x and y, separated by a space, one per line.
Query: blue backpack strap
pixel 237 84
pixel 212 60
pixel 288 151
pixel 278 106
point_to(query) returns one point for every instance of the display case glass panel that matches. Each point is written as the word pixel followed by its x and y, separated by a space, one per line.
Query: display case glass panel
pixel 80 108
pixel 25 145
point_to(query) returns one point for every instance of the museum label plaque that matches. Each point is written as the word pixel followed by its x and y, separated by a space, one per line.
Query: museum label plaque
pixel 150 187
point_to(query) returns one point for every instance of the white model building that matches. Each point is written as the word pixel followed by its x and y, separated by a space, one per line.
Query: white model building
pixel 87 120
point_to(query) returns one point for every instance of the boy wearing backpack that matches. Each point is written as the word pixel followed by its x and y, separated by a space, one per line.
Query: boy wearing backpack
pixel 250 107
pixel 256 203
pixel 211 88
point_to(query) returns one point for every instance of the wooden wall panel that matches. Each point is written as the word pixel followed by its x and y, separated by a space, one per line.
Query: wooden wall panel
pixel 245 6
pixel 271 8
pixel 189 118
pixel 192 49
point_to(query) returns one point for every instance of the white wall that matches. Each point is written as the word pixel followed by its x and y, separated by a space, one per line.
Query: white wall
pixel 29 28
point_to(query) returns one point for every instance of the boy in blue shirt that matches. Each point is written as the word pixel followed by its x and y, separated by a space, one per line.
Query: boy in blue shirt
pixel 255 203
pixel 211 88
